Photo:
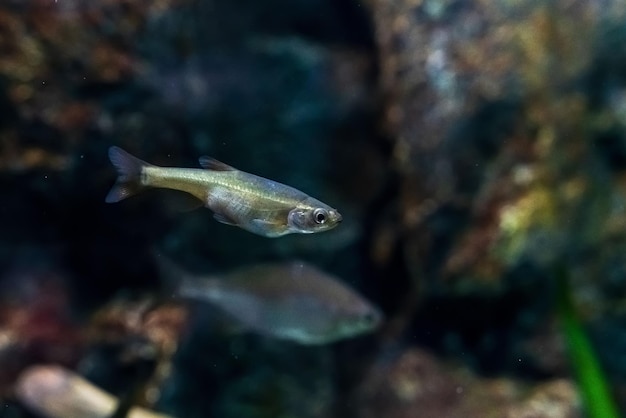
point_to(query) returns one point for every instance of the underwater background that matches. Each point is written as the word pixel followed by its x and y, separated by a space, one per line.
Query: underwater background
pixel 476 150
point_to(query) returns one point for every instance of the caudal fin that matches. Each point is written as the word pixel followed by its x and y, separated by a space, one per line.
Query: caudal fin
pixel 171 275
pixel 129 170
pixel 177 282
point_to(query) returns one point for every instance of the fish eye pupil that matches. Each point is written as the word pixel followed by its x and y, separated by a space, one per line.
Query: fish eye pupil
pixel 320 217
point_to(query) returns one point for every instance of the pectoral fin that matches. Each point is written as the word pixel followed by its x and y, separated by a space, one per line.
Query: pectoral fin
pixel 267 228
pixel 262 223
pixel 220 217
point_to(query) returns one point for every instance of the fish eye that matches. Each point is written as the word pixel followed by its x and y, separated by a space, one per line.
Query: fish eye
pixel 320 216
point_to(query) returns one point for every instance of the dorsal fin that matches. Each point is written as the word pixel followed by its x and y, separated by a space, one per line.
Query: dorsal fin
pixel 211 163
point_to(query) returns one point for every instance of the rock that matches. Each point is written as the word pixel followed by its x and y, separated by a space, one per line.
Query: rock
pixel 416 384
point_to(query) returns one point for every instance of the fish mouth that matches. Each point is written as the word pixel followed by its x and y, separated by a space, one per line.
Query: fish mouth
pixel 338 217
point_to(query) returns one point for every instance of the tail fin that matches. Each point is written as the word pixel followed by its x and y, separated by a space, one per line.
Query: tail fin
pixel 179 283
pixel 171 275
pixel 129 174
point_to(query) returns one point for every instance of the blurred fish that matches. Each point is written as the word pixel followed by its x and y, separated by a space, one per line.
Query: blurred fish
pixel 294 301
pixel 55 392
pixel 253 203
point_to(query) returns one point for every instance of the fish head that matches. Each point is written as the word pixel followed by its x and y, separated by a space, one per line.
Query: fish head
pixel 360 319
pixel 311 217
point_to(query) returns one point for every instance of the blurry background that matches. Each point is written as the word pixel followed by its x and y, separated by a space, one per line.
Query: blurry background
pixel 474 148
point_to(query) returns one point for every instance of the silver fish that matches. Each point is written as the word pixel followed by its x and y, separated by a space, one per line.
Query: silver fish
pixel 250 202
pixel 293 301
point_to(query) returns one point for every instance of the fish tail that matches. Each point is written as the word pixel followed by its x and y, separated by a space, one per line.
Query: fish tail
pixel 179 283
pixel 171 275
pixel 129 170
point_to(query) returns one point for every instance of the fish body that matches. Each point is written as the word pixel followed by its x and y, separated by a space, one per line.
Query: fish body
pixel 293 301
pixel 253 203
